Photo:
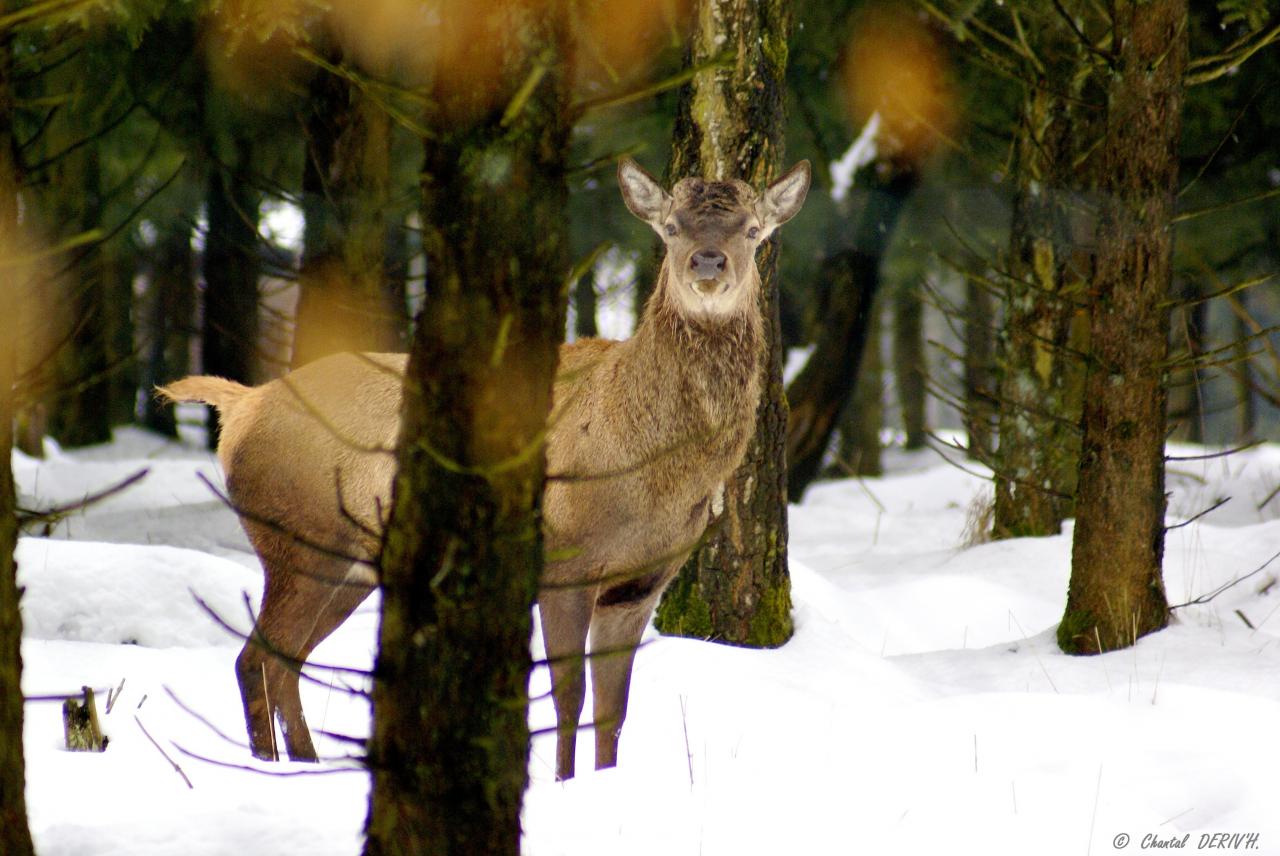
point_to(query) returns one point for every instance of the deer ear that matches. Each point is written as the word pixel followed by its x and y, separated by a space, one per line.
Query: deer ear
pixel 782 200
pixel 642 193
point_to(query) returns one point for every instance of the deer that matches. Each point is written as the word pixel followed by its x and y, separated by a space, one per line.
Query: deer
pixel 642 436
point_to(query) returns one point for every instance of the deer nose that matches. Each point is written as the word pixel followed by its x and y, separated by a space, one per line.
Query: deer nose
pixel 707 263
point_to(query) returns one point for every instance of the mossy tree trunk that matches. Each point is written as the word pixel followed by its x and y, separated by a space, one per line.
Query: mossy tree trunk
pixel 822 391
pixel 343 301
pixel 1040 378
pixel 463 553
pixel 729 124
pixel 1116 592
pixel 15 834
pixel 910 368
pixel 229 328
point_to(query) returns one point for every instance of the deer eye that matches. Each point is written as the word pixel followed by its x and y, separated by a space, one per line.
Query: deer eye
pixel 671 229
pixel 753 232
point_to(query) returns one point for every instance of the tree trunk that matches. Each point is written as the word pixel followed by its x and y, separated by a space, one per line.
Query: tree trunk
pixel 860 447
pixel 15 835
pixel 1187 385
pixel 1116 592
pixel 979 383
pixel 729 124
pixel 584 306
pixel 396 261
pixel 909 365
pixel 170 312
pixel 79 407
pixel 119 266
pixel 343 302
pixel 823 389
pixel 463 553
pixel 229 329
pixel 1243 371
pixel 1040 380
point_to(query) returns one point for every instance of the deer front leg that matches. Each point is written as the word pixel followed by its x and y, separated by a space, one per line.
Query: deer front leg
pixel 566 614
pixel 621 615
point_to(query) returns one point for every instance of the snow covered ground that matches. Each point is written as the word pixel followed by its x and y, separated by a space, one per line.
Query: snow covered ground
pixel 922 707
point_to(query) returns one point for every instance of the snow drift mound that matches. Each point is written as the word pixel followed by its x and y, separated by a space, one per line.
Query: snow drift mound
pixel 125 594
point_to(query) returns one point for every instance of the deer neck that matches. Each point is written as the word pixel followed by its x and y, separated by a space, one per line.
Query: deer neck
pixel 707 368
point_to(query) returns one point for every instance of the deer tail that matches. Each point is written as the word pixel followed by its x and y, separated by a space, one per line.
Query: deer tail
pixel 207 389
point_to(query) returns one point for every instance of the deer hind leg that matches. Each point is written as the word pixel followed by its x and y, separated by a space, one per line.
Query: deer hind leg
pixel 621 615
pixel 566 614
pixel 300 608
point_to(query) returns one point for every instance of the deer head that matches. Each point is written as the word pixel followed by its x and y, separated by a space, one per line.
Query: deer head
pixel 712 230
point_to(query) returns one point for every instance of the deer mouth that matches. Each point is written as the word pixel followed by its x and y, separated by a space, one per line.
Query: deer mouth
pixel 709 287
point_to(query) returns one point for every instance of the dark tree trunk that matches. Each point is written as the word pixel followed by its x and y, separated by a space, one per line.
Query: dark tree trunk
pixel 1040 380
pixel 79 406
pixel 119 265
pixel 1117 590
pixel 1187 387
pixel 1243 371
pixel 229 328
pixel 979 382
pixel 170 315
pixel 343 299
pixel 860 448
pixel 15 834
pixel 463 553
pixel 584 306
pixel 395 264
pixel 822 390
pixel 909 365
pixel 735 588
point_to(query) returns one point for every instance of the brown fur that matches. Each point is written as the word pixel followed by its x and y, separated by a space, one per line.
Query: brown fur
pixel 643 434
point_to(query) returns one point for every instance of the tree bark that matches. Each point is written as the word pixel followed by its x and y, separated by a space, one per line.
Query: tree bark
pixel 1188 387
pixel 463 553
pixel 1041 381
pixel 584 306
pixel 730 124
pixel 909 364
pixel 1116 592
pixel 824 387
pixel 1247 430
pixel 119 266
pixel 80 403
pixel 170 314
pixel 860 447
pixel 343 301
pixel 979 383
pixel 15 834
pixel 229 328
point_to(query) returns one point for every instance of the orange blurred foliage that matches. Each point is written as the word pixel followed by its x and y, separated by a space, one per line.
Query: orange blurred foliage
pixel 894 65
pixel 250 47
pixel 387 38
pixel 619 40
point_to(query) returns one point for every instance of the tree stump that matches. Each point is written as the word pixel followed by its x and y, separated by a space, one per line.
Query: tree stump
pixel 80 724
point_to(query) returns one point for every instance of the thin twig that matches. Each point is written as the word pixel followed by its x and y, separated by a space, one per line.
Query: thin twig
pixel 164 754
pixel 51 515
pixel 322 771
pixel 1205 598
